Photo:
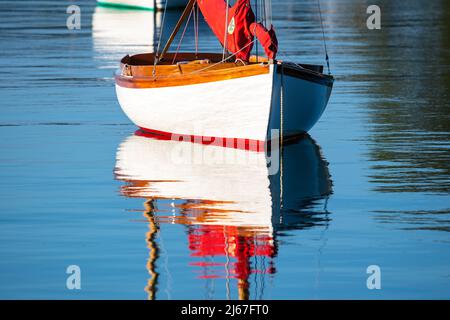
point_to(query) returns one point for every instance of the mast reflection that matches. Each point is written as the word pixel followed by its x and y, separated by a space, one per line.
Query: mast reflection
pixel 153 249
pixel 232 208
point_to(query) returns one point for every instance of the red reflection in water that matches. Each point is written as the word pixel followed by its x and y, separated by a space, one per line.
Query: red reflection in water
pixel 237 243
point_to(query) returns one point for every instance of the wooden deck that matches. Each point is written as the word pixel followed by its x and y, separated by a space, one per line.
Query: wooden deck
pixel 138 71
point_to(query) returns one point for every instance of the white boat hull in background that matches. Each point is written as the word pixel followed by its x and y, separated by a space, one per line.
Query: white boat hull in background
pixel 119 32
pixel 143 4
pixel 244 108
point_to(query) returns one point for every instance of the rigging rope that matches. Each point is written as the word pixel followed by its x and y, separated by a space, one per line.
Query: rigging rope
pixel 263 9
pixel 281 141
pixel 223 60
pixel 256 20
pixel 155 59
pixel 268 12
pixel 226 31
pixel 182 35
pixel 323 37
pixel 196 19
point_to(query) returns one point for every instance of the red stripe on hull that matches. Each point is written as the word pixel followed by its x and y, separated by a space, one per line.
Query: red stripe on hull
pixel 235 143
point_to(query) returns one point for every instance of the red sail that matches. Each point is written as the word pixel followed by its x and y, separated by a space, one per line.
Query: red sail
pixel 241 27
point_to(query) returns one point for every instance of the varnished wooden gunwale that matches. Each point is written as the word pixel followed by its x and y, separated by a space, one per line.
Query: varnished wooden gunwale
pixel 147 59
pixel 183 68
pixel 138 71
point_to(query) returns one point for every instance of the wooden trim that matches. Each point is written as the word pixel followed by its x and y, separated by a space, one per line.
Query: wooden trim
pixel 185 74
pixel 148 59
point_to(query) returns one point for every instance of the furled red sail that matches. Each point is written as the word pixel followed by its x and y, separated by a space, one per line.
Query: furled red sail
pixel 241 27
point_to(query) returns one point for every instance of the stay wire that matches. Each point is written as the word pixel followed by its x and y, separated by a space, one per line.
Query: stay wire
pixel 156 59
pixel 323 37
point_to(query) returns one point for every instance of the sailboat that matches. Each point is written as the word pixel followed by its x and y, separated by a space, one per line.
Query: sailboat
pixel 228 227
pixel 142 4
pixel 228 95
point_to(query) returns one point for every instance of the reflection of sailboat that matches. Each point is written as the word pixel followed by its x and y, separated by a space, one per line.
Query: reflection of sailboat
pixel 227 200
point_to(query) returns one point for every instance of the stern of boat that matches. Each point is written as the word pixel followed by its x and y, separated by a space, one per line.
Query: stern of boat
pixel 299 97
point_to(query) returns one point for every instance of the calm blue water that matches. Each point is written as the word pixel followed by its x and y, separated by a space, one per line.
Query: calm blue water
pixel 369 187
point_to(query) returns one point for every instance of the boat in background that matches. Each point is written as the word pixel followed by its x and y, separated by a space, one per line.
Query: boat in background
pixel 119 32
pixel 229 202
pixel 221 95
pixel 114 32
pixel 142 4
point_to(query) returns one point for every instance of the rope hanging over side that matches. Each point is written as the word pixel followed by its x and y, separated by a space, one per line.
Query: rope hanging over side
pixel 323 37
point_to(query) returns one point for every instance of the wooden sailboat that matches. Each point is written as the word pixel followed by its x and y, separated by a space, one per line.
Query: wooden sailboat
pixel 228 95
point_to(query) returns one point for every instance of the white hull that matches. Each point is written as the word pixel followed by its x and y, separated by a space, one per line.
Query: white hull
pixel 245 108
pixel 144 4
pixel 234 108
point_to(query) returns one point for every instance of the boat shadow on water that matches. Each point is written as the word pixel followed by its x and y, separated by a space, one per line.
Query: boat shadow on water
pixel 233 205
